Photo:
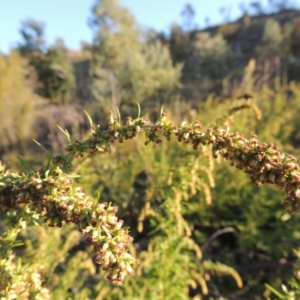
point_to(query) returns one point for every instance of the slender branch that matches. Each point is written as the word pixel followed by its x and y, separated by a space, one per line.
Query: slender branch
pixel 263 163
pixel 215 235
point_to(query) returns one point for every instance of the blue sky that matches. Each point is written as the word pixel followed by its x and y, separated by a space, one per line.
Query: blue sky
pixel 69 22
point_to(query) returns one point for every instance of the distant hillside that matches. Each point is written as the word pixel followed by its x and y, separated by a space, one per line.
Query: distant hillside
pixel 245 34
pixel 217 56
pixel 242 38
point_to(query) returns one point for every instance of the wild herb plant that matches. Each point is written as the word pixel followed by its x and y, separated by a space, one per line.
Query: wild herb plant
pixel 52 197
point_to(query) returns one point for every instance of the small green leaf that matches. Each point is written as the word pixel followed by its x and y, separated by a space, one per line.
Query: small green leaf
pixel 66 133
pixel 36 222
pixel 162 110
pixel 49 162
pixel 47 174
pixel 23 164
pixel 100 149
pixel 17 243
pixel 139 110
pixel 274 291
pixel 119 115
pixel 284 288
pixel 97 197
pixel 39 144
pixel 90 119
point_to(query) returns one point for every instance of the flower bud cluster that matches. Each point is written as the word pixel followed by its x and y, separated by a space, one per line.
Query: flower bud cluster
pixel 100 139
pixel 166 125
pixel 120 133
pixel 262 162
pixel 16 283
pixel 57 199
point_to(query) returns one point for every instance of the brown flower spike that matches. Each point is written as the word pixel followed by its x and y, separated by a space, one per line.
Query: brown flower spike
pixel 57 199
